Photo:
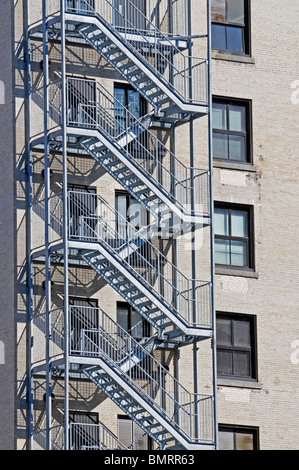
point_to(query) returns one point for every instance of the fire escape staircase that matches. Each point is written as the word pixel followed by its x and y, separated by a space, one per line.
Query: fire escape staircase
pixel 120 366
pixel 147 58
pixel 122 143
pixel 126 258
pixel 126 370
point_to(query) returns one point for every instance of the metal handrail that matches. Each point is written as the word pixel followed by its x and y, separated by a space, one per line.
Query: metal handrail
pixel 162 50
pixel 93 219
pixel 91 106
pixel 181 408
pixel 93 436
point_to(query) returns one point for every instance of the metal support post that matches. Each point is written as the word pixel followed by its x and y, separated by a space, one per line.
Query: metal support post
pixel 47 224
pixel 65 228
pixel 193 226
pixel 29 228
pixel 212 222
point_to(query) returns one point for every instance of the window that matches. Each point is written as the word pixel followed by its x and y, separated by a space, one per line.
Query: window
pixel 131 321
pixel 127 97
pixel 129 210
pixel 236 346
pixel 230 26
pixel 231 130
pixel 129 106
pixel 238 438
pixel 233 226
pixel 130 433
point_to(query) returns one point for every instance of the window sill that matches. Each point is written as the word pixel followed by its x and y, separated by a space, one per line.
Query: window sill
pixel 244 59
pixel 239 383
pixel 234 166
pixel 236 272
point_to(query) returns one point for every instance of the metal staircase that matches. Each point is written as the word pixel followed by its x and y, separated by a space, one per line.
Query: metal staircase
pixel 158 63
pixel 136 269
pixel 146 57
pixel 146 391
pixel 133 155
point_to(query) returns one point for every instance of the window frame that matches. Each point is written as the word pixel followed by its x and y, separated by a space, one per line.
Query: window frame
pixel 246 32
pixel 146 327
pixel 236 429
pixel 247 104
pixel 251 319
pixel 250 239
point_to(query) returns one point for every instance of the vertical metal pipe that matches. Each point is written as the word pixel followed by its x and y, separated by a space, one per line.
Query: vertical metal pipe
pixel 193 226
pixel 65 227
pixel 29 228
pixel 214 351
pixel 47 224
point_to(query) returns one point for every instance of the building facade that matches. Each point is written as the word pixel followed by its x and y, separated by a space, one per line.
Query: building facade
pixel 148 294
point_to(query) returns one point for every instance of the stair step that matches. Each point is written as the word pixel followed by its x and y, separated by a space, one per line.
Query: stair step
pixel 149 87
pixel 141 192
pixel 106 43
pixel 144 304
pixel 161 317
pixel 126 66
pixel 119 58
pixel 133 73
pixel 87 29
pixel 140 80
pixel 120 170
pixel 150 198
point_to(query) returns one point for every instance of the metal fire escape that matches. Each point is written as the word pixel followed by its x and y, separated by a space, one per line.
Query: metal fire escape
pixel 79 228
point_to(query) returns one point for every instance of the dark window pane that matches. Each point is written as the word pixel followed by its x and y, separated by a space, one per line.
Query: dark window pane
pixel 235 41
pixel 242 333
pixel 218 11
pixel 241 361
pixel 134 103
pixel 237 148
pixel 224 333
pixel 224 362
pixel 218 36
pixel 235 11
pixel 123 317
pixel 220 145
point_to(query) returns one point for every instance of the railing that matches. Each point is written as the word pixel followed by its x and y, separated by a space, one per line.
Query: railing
pixel 86 436
pixel 187 76
pixel 91 106
pixel 190 414
pixel 91 218
pixel 83 436
pixel 171 21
